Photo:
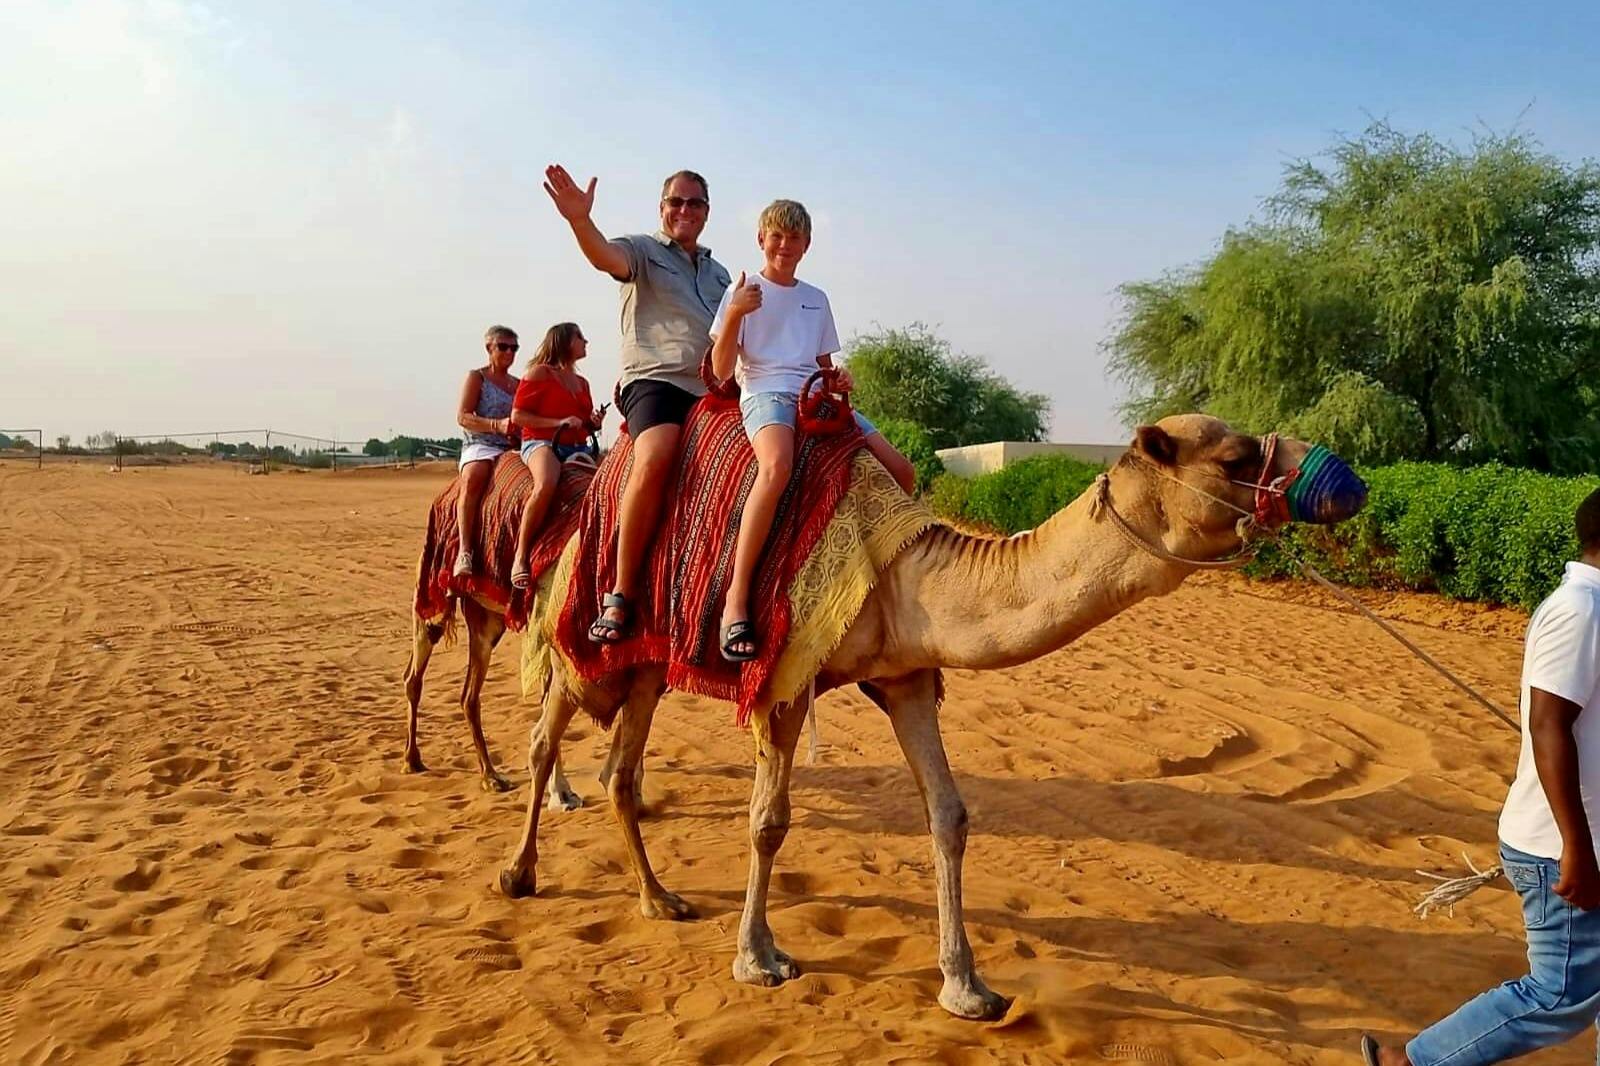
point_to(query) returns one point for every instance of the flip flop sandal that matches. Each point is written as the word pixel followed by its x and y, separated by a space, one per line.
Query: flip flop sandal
pixel 605 630
pixel 1369 1050
pixel 521 576
pixel 738 633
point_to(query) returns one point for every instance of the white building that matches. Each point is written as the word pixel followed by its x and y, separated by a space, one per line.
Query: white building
pixel 970 460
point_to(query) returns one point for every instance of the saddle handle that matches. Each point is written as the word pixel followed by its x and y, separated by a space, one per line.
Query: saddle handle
pixel 722 390
pixel 824 407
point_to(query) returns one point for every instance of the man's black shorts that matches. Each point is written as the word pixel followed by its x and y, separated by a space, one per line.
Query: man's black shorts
pixel 654 403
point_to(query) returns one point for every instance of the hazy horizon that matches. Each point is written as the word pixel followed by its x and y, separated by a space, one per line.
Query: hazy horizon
pixel 303 216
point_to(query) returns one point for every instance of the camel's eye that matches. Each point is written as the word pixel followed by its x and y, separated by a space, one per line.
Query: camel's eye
pixel 1240 457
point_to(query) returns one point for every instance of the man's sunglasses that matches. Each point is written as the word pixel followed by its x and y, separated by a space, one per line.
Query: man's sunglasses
pixel 501 346
pixel 678 203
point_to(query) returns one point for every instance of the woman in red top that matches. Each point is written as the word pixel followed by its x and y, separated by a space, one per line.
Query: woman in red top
pixel 553 408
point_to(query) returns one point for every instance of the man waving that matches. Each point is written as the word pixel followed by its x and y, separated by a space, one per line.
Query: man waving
pixel 670 290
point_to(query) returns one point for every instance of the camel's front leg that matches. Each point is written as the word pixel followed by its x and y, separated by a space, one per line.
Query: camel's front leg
pixel 627 753
pixel 759 962
pixel 484 630
pixel 518 878
pixel 913 711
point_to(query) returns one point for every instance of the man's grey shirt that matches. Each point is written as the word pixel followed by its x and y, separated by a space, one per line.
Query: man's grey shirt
pixel 668 302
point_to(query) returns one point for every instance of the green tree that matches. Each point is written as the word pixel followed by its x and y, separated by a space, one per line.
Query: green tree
pixel 911 375
pixel 1405 299
pixel 375 447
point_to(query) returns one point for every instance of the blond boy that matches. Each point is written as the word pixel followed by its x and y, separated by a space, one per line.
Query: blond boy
pixel 770 333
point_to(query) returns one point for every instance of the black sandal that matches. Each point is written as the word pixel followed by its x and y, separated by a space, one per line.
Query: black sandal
pixel 605 630
pixel 1369 1050
pixel 738 633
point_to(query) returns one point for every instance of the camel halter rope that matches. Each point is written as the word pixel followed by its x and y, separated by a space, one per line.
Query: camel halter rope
pixel 1251 528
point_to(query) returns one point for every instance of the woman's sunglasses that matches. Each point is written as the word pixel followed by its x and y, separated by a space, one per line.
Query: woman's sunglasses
pixel 501 346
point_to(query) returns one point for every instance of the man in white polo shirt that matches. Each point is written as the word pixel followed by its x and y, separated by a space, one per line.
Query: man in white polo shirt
pixel 1547 841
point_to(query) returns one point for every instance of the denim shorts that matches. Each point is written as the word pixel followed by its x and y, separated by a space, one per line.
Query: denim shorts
pixel 563 451
pixel 762 409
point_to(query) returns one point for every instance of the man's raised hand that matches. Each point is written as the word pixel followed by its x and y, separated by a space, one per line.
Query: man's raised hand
pixel 573 203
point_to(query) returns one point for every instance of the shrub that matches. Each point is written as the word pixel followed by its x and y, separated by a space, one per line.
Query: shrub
pixel 916 445
pixel 1490 533
pixel 1019 497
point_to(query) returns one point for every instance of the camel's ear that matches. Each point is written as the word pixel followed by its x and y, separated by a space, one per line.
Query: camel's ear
pixel 1156 444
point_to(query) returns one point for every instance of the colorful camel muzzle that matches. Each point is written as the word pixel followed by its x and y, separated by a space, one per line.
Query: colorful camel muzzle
pixel 1321 490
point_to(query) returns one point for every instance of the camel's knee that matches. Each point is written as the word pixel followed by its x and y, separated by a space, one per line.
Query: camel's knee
pixel 622 785
pixel 949 827
pixel 767 833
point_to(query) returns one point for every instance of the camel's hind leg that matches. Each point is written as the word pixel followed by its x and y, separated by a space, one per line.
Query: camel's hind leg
pixel 424 635
pixel 627 753
pixel 759 962
pixel 484 630
pixel 518 877
pixel 912 706
pixel 563 797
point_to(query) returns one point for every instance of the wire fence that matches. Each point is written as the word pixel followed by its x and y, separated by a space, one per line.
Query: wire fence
pixel 15 444
pixel 255 450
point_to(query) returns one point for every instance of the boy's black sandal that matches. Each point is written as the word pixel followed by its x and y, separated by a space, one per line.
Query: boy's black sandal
pixel 738 633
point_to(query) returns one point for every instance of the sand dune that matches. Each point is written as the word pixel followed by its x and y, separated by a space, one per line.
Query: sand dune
pixel 1193 832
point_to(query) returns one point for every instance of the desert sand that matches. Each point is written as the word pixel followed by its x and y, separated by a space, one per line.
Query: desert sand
pixel 1193 832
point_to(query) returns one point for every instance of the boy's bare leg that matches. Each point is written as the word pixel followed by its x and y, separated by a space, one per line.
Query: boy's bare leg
pixel 899 467
pixel 473 480
pixel 654 453
pixel 546 471
pixel 774 448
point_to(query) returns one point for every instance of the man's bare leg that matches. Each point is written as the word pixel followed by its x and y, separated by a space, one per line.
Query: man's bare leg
pixel 655 451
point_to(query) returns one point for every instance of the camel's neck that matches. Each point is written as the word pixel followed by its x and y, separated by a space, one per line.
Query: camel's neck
pixel 977 603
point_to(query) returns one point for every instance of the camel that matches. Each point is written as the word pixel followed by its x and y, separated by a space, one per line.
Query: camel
pixel 1171 505
pixel 484 629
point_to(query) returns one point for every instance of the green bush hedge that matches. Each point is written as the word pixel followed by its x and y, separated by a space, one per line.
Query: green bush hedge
pixel 916 445
pixel 1019 497
pixel 1489 533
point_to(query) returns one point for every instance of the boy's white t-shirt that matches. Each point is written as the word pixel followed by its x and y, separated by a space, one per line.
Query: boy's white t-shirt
pixel 1562 657
pixel 779 341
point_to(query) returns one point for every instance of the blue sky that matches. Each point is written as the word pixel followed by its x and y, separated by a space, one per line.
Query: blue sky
pixel 302 215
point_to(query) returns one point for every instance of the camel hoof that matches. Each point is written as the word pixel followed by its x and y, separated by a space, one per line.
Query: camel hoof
pixel 565 801
pixel 414 763
pixel 669 906
pixel 974 1002
pixel 515 884
pixel 497 782
pixel 769 972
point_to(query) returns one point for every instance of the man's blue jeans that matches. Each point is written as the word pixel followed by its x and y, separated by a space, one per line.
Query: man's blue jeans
pixel 1558 999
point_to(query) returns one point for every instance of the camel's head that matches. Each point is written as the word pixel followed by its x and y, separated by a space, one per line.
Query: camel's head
pixel 1206 477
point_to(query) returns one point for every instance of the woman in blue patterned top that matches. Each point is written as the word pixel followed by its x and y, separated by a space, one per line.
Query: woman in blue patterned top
pixel 484 416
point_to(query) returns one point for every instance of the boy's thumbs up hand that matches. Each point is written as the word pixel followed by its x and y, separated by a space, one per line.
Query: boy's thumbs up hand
pixel 746 297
